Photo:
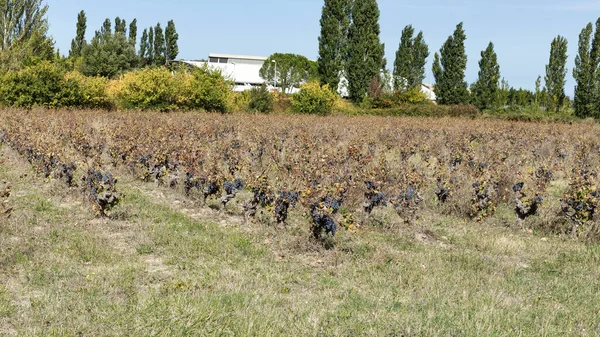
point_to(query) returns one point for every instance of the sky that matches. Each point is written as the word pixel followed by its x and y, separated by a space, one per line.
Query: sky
pixel 520 30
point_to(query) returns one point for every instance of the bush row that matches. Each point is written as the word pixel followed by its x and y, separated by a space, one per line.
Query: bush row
pixel 49 85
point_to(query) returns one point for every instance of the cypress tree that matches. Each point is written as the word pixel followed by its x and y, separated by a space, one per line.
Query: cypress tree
pixel 106 28
pixel 411 57
pixel 556 71
pixel 584 75
pixel 486 87
pixel 335 21
pixel 404 59
pixel 420 55
pixel 159 45
pixel 78 42
pixel 150 55
pixel 171 38
pixel 144 47
pixel 449 70
pixel 120 26
pixel 133 32
pixel 365 51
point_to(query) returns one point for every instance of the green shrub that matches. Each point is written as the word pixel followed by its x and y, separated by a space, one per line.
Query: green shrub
pixel 260 99
pixel 211 89
pixel 36 85
pixel 86 92
pixel 149 88
pixel 314 99
pixel 413 95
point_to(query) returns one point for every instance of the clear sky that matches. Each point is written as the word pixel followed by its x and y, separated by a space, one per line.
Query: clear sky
pixel 521 30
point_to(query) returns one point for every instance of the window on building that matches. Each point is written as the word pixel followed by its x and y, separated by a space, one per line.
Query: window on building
pixel 213 59
pixel 223 60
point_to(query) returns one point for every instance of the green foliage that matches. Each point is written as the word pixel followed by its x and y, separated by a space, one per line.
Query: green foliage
pixel 159 45
pixel 556 71
pixel 23 34
pixel 108 54
pixel 409 66
pixel 586 74
pixel 120 26
pixel 292 70
pixel 449 70
pixel 39 85
pixel 413 95
pixel 149 57
pixel 158 88
pixel 144 46
pixel 86 92
pixel 314 99
pixel 365 51
pixel 79 41
pixel 171 38
pixel 333 41
pixel 133 33
pixel 260 99
pixel 486 87
pixel 150 88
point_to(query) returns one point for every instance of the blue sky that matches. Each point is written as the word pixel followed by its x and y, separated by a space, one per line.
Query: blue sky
pixel 521 30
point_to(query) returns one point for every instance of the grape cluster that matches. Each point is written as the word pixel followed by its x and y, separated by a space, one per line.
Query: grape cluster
pixel 101 190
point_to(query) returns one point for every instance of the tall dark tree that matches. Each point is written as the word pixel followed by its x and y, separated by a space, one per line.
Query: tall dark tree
pixel 78 42
pixel 449 69
pixel 144 46
pixel 171 38
pixel 420 55
pixel 133 32
pixel 120 26
pixel 333 41
pixel 411 57
pixel 159 45
pixel 365 51
pixel 583 74
pixel 404 59
pixel 587 73
pixel 108 54
pixel 106 28
pixel 23 33
pixel 150 55
pixel 556 71
pixel 487 85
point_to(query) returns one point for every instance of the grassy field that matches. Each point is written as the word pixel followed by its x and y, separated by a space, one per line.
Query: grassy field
pixel 161 266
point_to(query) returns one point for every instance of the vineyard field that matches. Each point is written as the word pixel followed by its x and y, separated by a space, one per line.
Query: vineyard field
pixel 147 223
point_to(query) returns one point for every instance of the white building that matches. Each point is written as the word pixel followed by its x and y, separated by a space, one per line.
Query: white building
pixel 244 71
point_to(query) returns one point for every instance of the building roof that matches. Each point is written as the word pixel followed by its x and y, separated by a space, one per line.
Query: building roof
pixel 239 57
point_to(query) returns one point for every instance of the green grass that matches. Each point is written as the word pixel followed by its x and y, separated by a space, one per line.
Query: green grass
pixel 155 270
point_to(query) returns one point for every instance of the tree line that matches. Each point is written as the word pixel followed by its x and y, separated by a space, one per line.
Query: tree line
pixel 112 52
pixel 350 48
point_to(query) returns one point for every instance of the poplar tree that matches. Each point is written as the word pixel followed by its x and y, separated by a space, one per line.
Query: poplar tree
pixel 144 47
pixel 411 57
pixel 23 33
pixel 420 55
pixel 404 59
pixel 586 73
pixel 333 41
pixel 171 38
pixel 365 51
pixel 78 42
pixel 486 86
pixel 449 70
pixel 159 45
pixel 120 26
pixel 556 71
pixel 133 32
pixel 150 55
